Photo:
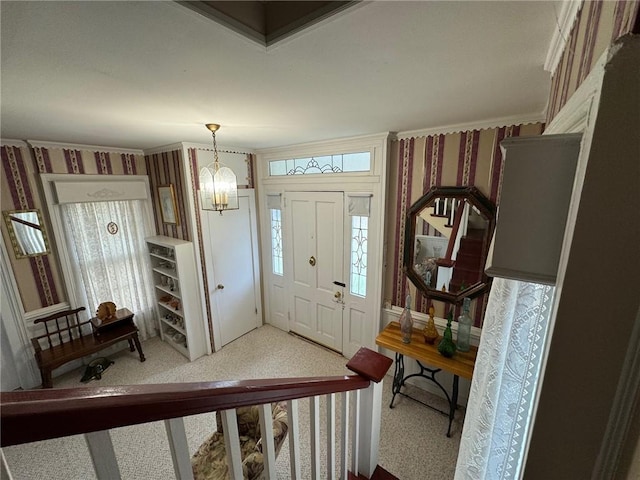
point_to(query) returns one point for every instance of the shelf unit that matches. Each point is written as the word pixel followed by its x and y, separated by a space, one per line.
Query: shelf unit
pixel 177 295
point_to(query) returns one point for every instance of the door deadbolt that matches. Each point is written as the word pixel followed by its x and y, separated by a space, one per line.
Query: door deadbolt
pixel 312 261
pixel 220 286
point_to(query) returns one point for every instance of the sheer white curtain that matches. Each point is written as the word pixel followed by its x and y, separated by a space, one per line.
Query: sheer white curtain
pixel 112 267
pixel 504 381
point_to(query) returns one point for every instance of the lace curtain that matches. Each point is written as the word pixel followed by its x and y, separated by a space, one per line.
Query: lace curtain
pixel 112 267
pixel 504 381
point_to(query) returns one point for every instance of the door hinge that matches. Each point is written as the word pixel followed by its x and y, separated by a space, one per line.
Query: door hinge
pixel 256 310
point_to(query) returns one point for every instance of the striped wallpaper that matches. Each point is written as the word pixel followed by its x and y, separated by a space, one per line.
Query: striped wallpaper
pixel 417 164
pixel 163 169
pixel 597 25
pixel 39 278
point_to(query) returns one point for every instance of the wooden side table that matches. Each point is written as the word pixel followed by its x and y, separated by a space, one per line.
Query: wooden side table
pixel 460 365
pixel 123 319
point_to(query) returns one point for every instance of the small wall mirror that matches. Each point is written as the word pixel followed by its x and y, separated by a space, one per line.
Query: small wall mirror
pixel 27 233
pixel 447 237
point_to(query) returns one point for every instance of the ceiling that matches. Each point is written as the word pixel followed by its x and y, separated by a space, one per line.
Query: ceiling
pixel 147 74
pixel 268 21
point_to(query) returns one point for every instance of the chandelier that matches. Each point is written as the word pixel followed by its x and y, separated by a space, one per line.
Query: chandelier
pixel 218 185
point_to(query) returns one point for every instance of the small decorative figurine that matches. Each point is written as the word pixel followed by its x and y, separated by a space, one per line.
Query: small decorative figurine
pixel 106 310
pixel 446 347
pixel 430 332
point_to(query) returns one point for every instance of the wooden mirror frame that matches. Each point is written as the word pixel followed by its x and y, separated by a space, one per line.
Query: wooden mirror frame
pixel 486 209
pixel 18 250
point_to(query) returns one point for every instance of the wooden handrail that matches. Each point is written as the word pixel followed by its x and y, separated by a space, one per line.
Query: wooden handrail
pixel 454 230
pixel 32 415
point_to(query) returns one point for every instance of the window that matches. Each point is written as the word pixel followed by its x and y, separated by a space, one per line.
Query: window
pixel 359 234
pixel 276 240
pixel 340 163
pixel 112 265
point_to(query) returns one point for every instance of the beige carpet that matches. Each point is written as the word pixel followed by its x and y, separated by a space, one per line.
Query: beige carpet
pixel 413 443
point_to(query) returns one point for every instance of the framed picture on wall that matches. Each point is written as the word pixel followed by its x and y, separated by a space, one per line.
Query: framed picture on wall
pixel 168 206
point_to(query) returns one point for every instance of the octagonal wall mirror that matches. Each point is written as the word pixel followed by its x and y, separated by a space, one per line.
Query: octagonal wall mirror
pixel 447 237
pixel 27 233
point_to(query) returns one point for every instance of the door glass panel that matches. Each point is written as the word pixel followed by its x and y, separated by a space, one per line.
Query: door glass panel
pixel 326 164
pixel 359 234
pixel 276 241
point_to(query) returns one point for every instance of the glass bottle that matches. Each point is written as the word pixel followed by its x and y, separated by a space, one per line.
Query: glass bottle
pixel 430 333
pixel 446 347
pixel 406 322
pixel 464 327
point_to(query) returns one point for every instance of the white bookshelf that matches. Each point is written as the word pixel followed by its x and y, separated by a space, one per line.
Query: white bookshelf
pixel 177 299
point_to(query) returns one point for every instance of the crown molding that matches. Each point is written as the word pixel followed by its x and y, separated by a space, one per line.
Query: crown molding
pixel 221 148
pixel 329 147
pixel 13 143
pixel 74 146
pixel 163 148
pixel 565 20
pixel 197 146
pixel 463 127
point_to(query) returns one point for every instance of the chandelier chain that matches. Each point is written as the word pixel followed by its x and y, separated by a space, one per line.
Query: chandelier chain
pixel 215 152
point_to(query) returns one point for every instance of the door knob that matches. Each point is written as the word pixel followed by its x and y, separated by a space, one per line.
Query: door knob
pixel 312 261
pixel 338 295
pixel 220 286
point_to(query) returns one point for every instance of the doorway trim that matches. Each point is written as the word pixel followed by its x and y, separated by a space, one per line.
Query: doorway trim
pixel 373 182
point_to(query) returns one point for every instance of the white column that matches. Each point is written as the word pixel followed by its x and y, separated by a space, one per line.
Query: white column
pixel 369 428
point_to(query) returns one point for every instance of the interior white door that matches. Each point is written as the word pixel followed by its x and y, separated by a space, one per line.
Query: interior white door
pixel 315 255
pixel 234 301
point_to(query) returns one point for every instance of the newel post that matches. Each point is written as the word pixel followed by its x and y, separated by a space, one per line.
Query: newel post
pixel 372 366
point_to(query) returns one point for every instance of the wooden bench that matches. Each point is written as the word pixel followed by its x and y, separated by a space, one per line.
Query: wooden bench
pixel 66 338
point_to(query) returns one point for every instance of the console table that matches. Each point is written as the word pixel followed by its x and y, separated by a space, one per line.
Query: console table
pixel 460 365
pixel 123 321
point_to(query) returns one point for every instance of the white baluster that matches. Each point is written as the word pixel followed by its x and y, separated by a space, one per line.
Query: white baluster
pixel 344 466
pixel 294 436
pixel 103 455
pixel 179 448
pixel 268 447
pixel 314 419
pixel 232 443
pixel 355 450
pixel 331 436
pixel 452 213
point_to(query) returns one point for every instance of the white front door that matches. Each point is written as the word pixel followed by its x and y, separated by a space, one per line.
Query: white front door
pixel 232 285
pixel 314 252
